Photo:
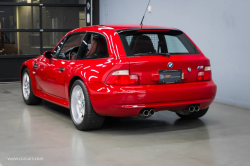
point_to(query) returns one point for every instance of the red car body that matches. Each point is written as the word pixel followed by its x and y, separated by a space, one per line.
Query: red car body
pixel 110 100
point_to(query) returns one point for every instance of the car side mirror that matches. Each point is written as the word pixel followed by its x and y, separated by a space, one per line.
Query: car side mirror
pixel 48 54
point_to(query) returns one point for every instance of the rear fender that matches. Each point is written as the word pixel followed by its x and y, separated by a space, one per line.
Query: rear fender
pixel 95 70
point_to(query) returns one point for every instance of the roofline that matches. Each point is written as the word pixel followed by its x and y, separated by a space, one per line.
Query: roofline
pixel 136 29
pixel 128 26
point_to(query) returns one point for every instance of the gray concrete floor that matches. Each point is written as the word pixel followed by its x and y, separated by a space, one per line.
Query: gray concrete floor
pixel 222 137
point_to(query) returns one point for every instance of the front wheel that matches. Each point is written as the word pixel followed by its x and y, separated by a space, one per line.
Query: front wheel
pixel 82 113
pixel 27 91
pixel 194 115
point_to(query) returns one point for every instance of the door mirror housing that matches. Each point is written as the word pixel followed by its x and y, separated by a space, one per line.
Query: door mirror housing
pixel 48 54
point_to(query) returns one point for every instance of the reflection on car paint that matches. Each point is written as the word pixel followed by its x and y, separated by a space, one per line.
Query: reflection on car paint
pixel 111 100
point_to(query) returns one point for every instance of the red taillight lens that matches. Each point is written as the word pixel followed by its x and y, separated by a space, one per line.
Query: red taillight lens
pixel 122 77
pixel 200 76
pixel 205 75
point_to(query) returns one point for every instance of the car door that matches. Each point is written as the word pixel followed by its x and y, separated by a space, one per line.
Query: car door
pixel 51 72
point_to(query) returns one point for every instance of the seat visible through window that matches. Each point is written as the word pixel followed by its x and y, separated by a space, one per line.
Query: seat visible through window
pixel 143 44
pixel 98 48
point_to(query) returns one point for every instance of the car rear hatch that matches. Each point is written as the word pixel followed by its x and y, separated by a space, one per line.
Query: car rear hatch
pixel 162 56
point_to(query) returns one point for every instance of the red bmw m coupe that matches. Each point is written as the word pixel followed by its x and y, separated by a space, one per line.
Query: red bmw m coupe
pixel 121 71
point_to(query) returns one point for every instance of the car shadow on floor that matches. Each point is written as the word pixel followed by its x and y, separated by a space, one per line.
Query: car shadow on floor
pixel 134 125
pixel 163 121
pixel 55 108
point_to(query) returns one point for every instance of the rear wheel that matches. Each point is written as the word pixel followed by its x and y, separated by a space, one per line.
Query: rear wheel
pixel 82 113
pixel 194 115
pixel 27 92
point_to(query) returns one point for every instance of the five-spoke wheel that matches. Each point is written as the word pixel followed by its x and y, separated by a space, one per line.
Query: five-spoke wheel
pixel 78 104
pixel 26 85
pixel 82 112
pixel 27 91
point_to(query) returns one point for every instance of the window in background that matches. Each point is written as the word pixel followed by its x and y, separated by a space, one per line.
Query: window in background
pixel 21 1
pixel 24 43
pixel 19 17
pixel 63 17
pixel 50 39
pixel 23 31
pixel 64 1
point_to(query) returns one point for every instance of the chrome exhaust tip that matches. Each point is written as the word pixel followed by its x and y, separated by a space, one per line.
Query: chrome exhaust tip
pixel 146 113
pixel 191 109
pixel 197 108
pixel 151 112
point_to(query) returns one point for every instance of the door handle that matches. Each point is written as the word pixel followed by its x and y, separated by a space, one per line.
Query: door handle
pixel 61 69
pixel 35 66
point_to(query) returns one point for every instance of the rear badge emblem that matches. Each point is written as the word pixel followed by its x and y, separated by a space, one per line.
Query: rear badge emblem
pixel 189 69
pixel 200 67
pixel 170 64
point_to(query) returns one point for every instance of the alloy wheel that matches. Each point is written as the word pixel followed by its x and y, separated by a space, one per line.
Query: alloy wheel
pixel 26 86
pixel 77 104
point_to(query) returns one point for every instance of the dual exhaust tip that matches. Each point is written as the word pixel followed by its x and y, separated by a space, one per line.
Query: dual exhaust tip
pixel 146 113
pixel 194 108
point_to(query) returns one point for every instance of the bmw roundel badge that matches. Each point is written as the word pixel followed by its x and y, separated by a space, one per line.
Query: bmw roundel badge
pixel 170 64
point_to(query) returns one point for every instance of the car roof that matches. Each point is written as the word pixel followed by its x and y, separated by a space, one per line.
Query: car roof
pixel 121 27
pixel 131 26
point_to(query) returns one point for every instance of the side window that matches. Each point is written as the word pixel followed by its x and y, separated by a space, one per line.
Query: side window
pixel 97 47
pixel 69 47
pixel 175 45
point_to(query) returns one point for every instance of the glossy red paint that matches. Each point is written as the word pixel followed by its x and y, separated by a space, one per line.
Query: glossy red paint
pixel 53 85
pixel 129 100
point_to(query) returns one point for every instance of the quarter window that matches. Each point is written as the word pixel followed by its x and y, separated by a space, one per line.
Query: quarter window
pixel 97 47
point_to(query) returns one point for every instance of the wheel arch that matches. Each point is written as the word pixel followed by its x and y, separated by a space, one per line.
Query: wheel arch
pixel 73 79
pixel 27 65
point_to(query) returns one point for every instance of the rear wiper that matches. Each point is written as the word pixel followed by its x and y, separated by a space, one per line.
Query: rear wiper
pixel 151 53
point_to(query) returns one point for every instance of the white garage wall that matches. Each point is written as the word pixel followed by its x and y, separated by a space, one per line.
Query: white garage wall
pixel 221 29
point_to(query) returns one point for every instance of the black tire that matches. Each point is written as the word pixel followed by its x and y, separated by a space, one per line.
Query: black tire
pixel 194 115
pixel 31 99
pixel 91 120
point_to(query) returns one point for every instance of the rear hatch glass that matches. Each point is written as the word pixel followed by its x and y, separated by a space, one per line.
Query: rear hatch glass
pixel 168 53
pixel 147 42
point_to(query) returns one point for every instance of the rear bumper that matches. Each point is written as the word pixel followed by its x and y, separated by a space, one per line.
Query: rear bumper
pixel 124 101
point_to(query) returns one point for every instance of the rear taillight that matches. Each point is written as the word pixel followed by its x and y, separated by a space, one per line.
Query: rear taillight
pixel 122 77
pixel 200 76
pixel 205 75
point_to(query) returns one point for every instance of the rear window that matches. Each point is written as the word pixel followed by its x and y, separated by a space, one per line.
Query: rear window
pixel 151 42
